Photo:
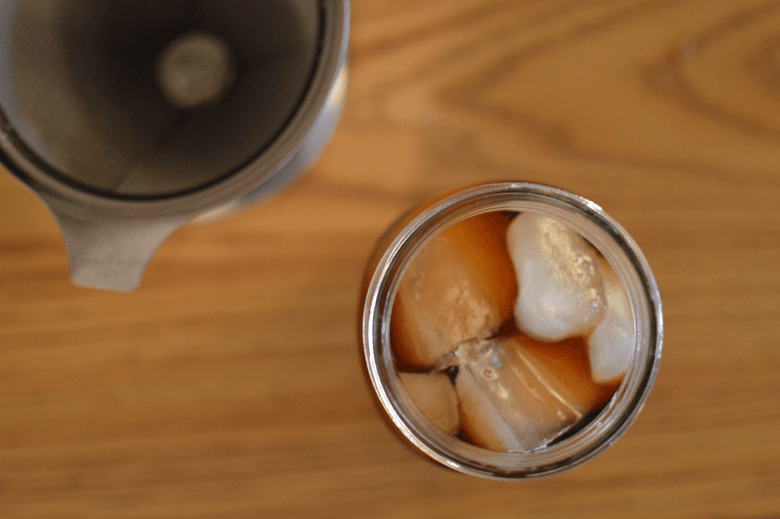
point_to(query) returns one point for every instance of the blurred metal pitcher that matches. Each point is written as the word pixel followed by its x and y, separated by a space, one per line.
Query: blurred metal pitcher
pixel 128 118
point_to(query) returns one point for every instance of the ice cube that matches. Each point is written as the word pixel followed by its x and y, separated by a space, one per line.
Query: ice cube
pixel 561 290
pixel 509 400
pixel 458 287
pixel 434 395
pixel 568 362
pixel 611 344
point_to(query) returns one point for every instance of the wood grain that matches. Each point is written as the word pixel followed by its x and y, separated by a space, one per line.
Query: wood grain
pixel 230 384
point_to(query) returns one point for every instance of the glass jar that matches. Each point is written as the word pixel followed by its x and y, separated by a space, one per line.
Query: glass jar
pixel 412 232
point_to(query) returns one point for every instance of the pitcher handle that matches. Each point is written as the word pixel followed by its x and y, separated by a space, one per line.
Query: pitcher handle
pixel 113 254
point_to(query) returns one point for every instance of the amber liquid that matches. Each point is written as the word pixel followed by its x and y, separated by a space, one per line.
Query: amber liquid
pixel 461 288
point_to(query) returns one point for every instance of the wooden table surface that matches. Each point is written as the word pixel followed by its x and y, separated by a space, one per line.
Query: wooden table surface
pixel 230 385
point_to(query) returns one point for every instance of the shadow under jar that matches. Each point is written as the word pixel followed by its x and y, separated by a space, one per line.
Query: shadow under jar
pixel 510 330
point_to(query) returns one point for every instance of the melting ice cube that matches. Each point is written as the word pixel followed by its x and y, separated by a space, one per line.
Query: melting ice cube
pixel 460 286
pixel 568 361
pixel 509 400
pixel 561 290
pixel 611 344
pixel 434 395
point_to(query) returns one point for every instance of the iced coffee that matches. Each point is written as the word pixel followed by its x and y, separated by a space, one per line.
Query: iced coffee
pixel 510 330
pixel 524 318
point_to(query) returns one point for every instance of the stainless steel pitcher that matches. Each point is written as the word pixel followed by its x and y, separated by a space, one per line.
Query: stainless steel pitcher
pixel 128 118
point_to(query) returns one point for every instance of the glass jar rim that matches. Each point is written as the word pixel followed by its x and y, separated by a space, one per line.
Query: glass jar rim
pixel 590 221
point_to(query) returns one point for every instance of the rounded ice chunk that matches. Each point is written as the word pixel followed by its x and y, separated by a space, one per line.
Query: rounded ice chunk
pixel 561 293
pixel 459 286
pixel 511 400
pixel 611 344
pixel 434 395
